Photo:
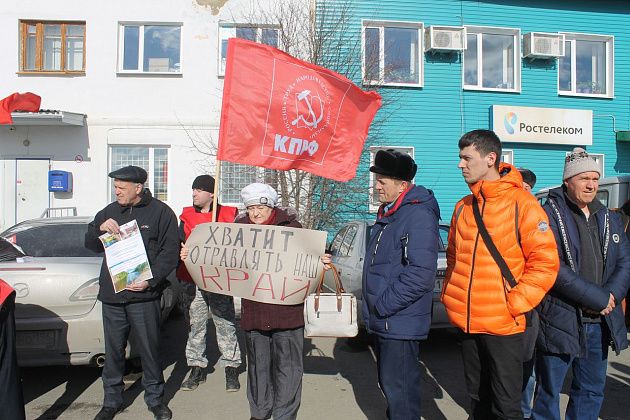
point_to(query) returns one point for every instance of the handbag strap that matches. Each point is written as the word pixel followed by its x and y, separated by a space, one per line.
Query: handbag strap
pixel 338 286
pixel 505 270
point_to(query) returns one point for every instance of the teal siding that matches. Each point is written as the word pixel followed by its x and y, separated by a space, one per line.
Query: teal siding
pixel 432 118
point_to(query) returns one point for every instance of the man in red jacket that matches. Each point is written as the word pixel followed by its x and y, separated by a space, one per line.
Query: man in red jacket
pixel 221 306
pixel 11 399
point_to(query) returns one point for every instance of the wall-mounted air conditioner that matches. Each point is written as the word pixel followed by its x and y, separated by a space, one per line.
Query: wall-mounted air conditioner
pixel 445 38
pixel 543 45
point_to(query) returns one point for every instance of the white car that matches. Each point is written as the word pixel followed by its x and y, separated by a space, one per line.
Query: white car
pixel 58 319
pixel 348 249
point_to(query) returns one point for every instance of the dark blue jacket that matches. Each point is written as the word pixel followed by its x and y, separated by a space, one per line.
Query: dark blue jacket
pixel 399 267
pixel 561 329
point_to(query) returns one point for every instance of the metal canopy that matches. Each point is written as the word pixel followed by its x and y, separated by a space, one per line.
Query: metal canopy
pixel 51 118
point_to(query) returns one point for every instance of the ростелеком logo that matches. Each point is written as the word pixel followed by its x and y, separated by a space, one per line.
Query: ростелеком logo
pixel 508 121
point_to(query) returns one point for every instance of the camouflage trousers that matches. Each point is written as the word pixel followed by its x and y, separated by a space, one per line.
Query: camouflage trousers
pixel 222 309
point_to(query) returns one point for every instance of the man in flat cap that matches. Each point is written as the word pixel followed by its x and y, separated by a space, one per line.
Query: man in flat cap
pixel 221 306
pixel 137 308
pixel 398 279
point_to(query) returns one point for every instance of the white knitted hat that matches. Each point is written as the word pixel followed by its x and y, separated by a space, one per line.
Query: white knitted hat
pixel 257 194
pixel 577 162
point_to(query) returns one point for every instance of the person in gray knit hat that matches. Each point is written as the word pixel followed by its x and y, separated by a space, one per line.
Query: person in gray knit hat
pixel 581 316
pixel 577 162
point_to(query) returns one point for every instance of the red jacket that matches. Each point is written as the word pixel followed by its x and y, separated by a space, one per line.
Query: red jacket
pixel 191 217
pixel 5 291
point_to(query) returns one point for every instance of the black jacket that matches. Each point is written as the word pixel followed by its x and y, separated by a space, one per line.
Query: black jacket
pixel 561 329
pixel 158 227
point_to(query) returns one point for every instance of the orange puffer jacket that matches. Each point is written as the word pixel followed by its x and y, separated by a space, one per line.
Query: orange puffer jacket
pixel 477 298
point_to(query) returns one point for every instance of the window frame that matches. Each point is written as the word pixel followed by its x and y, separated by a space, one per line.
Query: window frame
pixel 39 47
pixel 224 26
pixel 150 183
pixel 572 38
pixel 381 25
pixel 141 24
pixel 507 156
pixel 259 174
pixel 599 158
pixel 493 30
pixel 373 206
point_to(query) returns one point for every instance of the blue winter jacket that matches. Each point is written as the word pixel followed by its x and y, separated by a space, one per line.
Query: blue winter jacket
pixel 399 267
pixel 561 329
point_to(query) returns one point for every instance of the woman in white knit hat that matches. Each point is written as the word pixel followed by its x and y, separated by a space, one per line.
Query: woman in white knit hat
pixel 274 333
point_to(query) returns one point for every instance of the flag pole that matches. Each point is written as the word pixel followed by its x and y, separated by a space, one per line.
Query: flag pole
pixel 215 198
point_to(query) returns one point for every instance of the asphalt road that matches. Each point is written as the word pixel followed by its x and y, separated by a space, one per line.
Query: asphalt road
pixel 339 383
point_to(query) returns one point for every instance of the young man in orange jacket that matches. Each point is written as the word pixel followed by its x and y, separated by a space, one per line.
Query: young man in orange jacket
pixel 478 299
pixel 221 306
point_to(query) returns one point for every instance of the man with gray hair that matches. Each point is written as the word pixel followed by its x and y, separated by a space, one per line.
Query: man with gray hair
pixel 581 315
pixel 136 308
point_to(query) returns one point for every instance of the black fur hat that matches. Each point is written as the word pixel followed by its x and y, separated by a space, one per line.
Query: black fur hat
pixel 394 164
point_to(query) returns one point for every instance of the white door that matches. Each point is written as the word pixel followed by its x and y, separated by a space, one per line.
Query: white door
pixel 31 188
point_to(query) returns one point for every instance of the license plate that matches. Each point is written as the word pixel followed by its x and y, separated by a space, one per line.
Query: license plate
pixel 438 286
pixel 35 339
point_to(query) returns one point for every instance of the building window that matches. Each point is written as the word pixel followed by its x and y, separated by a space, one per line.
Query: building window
pixel 599 158
pixel 150 48
pixel 52 46
pixel 374 203
pixel 492 59
pixel 587 66
pixel 507 156
pixel 264 34
pixel 234 177
pixel 392 53
pixel 152 159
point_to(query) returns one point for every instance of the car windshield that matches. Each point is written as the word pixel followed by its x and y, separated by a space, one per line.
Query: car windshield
pixel 51 240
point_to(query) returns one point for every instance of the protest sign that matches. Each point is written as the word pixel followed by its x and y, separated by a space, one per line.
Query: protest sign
pixel 125 256
pixel 272 264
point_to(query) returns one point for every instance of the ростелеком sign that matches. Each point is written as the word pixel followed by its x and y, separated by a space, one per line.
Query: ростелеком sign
pixel 542 125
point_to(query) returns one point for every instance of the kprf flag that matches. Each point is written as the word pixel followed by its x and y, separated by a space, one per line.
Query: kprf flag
pixel 283 113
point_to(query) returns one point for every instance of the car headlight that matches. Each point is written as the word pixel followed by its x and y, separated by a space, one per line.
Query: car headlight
pixel 87 291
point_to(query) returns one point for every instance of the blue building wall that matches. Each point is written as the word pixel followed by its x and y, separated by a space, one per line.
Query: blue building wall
pixel 432 118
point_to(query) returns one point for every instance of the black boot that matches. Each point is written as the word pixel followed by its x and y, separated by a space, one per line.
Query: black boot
pixel 196 377
pixel 231 379
pixel 161 412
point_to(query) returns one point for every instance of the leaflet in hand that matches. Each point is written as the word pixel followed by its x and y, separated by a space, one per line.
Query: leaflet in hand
pixel 126 257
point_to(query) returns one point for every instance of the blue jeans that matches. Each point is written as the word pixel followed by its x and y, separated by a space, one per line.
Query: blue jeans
pixel 589 378
pixel 529 384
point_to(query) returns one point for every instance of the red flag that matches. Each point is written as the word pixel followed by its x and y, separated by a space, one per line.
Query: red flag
pixel 283 113
pixel 18 101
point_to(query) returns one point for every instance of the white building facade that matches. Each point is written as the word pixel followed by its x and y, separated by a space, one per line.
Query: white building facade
pixel 135 82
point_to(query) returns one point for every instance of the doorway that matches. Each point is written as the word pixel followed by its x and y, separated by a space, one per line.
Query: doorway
pixel 31 188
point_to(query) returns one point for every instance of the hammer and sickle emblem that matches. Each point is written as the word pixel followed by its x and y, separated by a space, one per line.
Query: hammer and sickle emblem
pixel 311 119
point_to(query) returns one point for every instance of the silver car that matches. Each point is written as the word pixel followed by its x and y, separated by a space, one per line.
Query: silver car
pixel 348 249
pixel 58 319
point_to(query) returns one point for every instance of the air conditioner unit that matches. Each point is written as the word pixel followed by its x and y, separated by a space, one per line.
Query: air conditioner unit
pixel 445 38
pixel 543 45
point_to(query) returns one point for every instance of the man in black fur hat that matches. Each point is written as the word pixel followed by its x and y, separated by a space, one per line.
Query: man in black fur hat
pixel 398 279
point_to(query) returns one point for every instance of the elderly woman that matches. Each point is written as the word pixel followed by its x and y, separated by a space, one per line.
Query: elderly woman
pixel 274 333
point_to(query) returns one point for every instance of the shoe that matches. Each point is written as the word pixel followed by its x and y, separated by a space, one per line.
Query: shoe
pixel 161 412
pixel 231 379
pixel 106 413
pixel 195 378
